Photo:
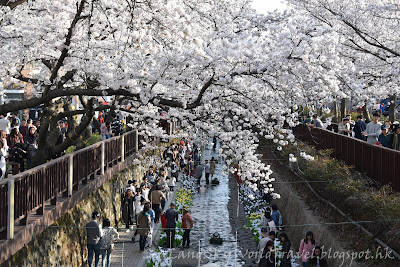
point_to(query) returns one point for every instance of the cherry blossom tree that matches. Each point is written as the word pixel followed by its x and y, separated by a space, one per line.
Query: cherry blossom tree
pixel 367 41
pixel 216 66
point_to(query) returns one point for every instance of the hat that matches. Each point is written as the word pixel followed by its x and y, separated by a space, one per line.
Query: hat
pixel 264 232
pixel 384 127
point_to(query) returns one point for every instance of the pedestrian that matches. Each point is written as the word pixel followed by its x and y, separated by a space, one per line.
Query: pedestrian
pixel 139 207
pixel 187 225
pixel 116 126
pixel 198 173
pixel 144 222
pixel 157 197
pixel 105 130
pixel 172 216
pixel 14 120
pixel 268 257
pixel 2 160
pixel 317 123
pixel 267 221
pixel 17 150
pixel 171 183
pixel 385 137
pixel 32 145
pixel 128 209
pixel 306 247
pixel 344 127
pixel 3 138
pixel 110 235
pixel 152 216
pixel 190 166
pixel 286 259
pixel 23 129
pixel 317 260
pixel 131 186
pixel 174 170
pixel 163 220
pixel 373 130
pixel 265 238
pixel 207 171
pixel 359 127
pixel 5 125
pixel 94 233
pixel 212 167
pixel 276 215
pixel 396 137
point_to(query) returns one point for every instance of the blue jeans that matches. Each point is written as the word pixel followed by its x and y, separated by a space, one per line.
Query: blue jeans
pixel 93 248
pixel 105 252
pixel 305 264
pixel 142 242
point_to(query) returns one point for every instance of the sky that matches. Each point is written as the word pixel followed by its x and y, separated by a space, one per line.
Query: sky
pixel 263 6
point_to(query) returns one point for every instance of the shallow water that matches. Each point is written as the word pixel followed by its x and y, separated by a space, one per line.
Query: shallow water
pixel 211 215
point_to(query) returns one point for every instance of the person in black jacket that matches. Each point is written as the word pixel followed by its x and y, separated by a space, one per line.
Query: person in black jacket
pixel 315 260
pixel 31 141
pixel 286 257
pixel 128 208
pixel 268 255
pixel 359 127
pixel 116 126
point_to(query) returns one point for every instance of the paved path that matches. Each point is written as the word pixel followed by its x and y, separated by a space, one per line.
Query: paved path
pixel 126 253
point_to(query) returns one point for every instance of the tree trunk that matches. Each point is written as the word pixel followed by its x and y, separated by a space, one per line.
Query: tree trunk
pixel 335 112
pixel 366 114
pixel 392 108
pixel 342 109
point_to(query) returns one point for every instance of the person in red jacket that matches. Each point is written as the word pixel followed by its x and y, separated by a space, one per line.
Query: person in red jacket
pixel 187 225
pixel 163 220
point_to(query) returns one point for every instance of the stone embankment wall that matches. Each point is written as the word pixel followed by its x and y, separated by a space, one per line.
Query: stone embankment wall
pixel 295 211
pixel 64 243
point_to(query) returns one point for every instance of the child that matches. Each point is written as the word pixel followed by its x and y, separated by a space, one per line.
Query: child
pixel 163 221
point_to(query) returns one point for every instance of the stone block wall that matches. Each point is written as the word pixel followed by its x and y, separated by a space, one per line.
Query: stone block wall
pixel 64 243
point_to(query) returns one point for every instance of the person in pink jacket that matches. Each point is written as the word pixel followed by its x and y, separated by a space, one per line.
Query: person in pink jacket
pixel 306 247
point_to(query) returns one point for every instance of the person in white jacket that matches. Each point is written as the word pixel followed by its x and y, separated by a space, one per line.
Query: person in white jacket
pixel 2 161
pixel 5 124
pixel 171 183
pixel 266 221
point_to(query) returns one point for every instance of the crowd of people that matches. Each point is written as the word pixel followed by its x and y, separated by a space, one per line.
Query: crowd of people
pixel 19 138
pixel 386 134
pixel 108 128
pixel 18 142
pixel 143 205
pixel 310 254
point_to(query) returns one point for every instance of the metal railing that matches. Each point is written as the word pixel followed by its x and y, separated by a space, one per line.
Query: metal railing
pixel 29 191
pixel 379 163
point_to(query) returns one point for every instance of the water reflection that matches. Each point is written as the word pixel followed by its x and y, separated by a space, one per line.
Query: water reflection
pixel 211 215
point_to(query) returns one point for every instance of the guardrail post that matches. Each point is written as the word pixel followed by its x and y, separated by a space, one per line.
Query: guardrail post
pixel 10 213
pixel 136 141
pixel 122 148
pixel 70 174
pixel 103 157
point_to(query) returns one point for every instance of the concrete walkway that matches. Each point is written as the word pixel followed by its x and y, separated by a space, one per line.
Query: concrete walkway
pixel 126 253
